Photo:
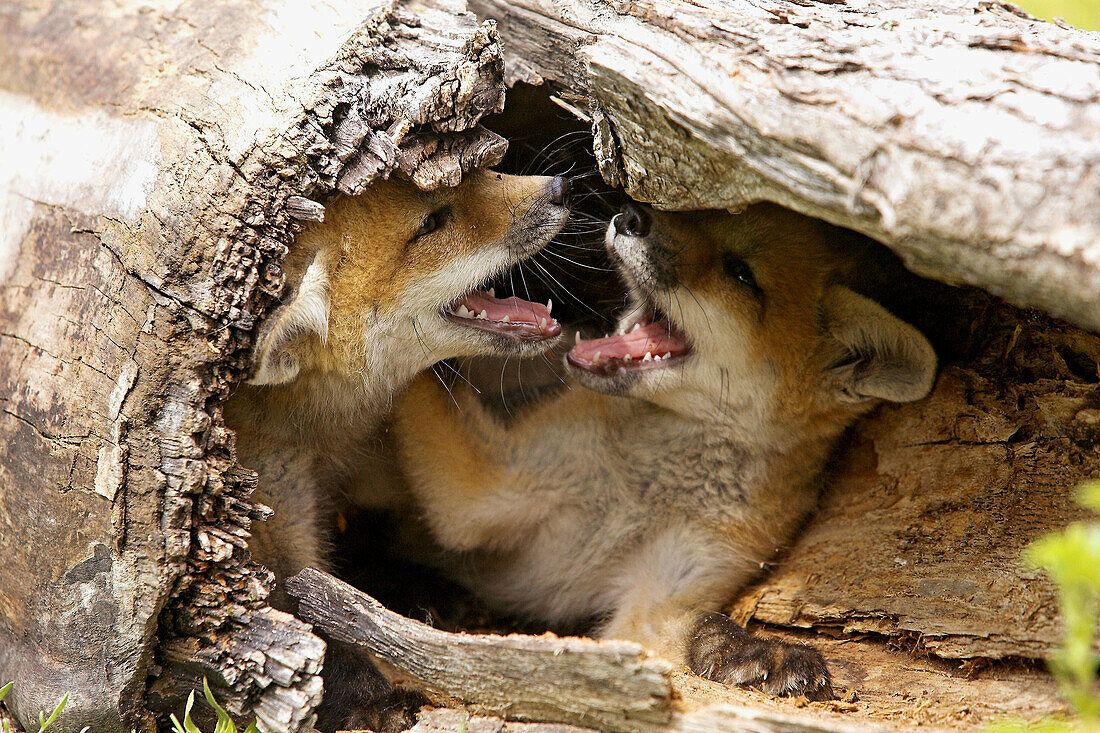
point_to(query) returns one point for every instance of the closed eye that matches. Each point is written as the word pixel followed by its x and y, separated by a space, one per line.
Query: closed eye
pixel 739 270
pixel 433 221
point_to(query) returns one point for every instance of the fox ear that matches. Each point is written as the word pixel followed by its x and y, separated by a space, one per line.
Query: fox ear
pixel 306 313
pixel 879 356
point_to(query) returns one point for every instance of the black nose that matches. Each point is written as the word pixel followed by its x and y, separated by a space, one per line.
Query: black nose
pixel 559 191
pixel 633 221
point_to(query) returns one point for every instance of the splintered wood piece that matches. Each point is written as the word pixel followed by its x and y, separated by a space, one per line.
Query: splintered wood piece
pixel 610 685
pixel 716 719
pixel 302 208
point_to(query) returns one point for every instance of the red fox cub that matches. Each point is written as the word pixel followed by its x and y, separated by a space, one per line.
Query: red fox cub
pixel 650 497
pixel 390 283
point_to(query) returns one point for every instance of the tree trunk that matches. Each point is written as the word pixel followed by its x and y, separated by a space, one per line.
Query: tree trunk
pixel 154 161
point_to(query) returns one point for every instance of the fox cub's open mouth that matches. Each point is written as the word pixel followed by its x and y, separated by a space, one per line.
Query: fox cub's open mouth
pixel 512 317
pixel 649 340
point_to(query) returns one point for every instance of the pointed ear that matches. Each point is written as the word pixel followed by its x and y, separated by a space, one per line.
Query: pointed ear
pixel 306 313
pixel 879 356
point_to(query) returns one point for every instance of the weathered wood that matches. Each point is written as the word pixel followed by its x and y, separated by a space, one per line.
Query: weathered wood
pixel 155 159
pixel 610 685
pixel 963 134
pixel 446 720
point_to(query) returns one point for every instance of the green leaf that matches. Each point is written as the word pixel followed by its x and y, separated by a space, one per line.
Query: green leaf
pixel 188 725
pixel 53 716
pixel 6 689
pixel 225 723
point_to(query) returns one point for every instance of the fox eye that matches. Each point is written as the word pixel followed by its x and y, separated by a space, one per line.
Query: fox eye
pixel 739 270
pixel 434 221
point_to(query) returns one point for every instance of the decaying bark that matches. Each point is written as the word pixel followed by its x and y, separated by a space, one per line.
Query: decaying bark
pixel 961 133
pixel 156 160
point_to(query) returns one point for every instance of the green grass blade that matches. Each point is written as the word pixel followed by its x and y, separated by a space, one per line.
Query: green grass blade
pixel 225 723
pixel 6 689
pixel 53 716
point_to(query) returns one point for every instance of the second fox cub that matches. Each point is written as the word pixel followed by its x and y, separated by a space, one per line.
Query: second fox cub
pixel 648 499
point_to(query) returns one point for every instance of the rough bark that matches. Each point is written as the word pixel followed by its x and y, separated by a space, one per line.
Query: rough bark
pixel 963 134
pixel 155 161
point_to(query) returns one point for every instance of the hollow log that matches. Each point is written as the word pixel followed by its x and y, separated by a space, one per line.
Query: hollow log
pixel 156 160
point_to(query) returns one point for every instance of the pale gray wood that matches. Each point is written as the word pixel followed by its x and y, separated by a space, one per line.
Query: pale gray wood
pixel 963 134
pixel 610 685
pixel 155 158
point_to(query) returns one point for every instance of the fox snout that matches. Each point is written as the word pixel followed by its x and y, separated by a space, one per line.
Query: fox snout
pixel 636 247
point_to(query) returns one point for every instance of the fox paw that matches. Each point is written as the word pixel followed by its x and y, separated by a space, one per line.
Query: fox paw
pixel 723 651
pixel 358 697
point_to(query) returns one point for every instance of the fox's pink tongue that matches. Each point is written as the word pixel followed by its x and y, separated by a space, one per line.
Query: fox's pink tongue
pixel 658 339
pixel 508 316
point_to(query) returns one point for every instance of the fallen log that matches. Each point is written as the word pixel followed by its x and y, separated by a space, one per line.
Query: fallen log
pixel 160 159
pixel 157 160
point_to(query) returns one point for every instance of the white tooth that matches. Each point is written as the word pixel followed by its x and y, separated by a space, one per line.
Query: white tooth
pixel 492 292
pixel 483 314
pixel 577 338
pixel 636 327
pixel 505 319
pixel 463 311
pixel 648 356
pixel 658 357
pixel 596 358
pixel 549 305
pixel 542 324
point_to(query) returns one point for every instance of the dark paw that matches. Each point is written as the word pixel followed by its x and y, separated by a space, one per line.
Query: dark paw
pixel 722 651
pixel 358 697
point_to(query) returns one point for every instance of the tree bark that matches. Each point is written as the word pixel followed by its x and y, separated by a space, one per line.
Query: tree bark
pixel 155 161
pixel 963 134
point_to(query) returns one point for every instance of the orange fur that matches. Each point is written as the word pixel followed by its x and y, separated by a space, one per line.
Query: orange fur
pixel 650 497
pixel 363 314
